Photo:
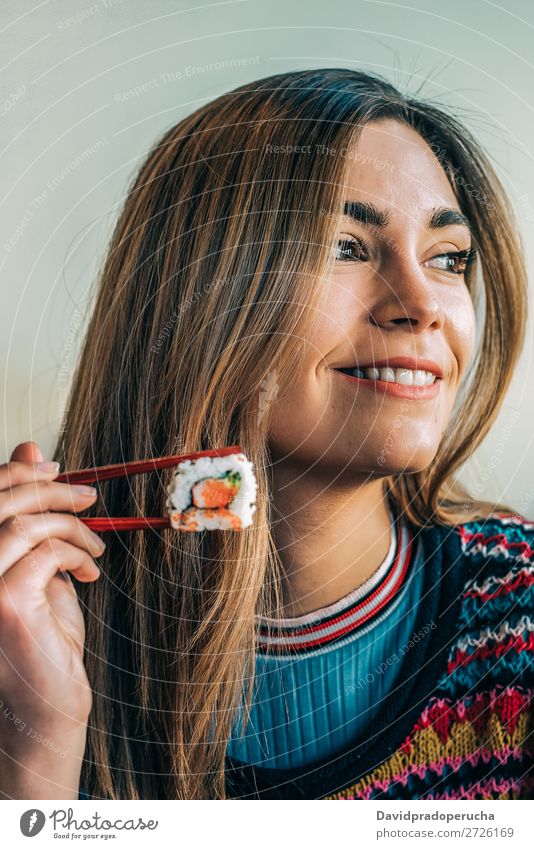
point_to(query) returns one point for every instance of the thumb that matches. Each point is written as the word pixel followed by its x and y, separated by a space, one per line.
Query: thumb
pixel 27 452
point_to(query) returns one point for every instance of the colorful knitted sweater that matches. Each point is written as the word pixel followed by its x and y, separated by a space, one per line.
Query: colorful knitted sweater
pixel 460 723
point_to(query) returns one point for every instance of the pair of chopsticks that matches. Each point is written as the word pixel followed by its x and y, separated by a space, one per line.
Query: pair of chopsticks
pixel 135 467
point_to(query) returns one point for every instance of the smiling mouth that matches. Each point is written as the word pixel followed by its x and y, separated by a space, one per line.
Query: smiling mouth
pixel 399 376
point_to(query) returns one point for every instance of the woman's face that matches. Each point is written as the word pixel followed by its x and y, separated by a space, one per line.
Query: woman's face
pixel 392 294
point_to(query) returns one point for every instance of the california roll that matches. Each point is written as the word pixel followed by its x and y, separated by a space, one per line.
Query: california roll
pixel 212 493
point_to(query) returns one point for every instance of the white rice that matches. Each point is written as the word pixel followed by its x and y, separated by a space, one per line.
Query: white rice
pixel 188 472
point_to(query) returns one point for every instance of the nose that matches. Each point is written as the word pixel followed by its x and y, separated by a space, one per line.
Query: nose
pixel 406 296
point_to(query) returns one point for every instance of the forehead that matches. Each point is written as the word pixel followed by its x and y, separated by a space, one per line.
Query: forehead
pixel 394 166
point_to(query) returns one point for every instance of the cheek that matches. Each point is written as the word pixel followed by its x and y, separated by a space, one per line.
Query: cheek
pixel 335 324
pixel 308 414
pixel 302 417
pixel 461 330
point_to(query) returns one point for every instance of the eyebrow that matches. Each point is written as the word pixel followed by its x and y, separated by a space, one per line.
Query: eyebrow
pixel 367 213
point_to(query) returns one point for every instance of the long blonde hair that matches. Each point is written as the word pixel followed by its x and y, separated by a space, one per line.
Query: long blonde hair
pixel 201 296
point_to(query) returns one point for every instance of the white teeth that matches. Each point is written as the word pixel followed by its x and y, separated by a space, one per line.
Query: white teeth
pixel 404 376
pixel 387 374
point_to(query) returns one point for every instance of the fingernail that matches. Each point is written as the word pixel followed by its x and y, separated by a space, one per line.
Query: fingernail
pixel 48 466
pixel 83 490
pixel 98 541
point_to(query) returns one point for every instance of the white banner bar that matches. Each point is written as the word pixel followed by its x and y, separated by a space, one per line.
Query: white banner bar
pixel 265 824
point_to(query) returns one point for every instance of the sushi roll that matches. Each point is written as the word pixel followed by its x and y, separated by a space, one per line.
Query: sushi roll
pixel 212 493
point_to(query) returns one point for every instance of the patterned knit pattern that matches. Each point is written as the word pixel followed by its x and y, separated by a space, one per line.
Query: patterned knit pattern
pixel 486 732
pixel 472 731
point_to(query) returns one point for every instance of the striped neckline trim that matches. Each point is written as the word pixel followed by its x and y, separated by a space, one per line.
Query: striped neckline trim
pixel 302 634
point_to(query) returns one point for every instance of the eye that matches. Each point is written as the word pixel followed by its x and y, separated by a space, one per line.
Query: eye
pixel 351 250
pixel 457 262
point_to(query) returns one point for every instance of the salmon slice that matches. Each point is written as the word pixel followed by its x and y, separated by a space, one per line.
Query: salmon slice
pixel 215 492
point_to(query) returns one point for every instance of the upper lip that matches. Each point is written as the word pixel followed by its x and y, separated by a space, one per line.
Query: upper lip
pixel 411 363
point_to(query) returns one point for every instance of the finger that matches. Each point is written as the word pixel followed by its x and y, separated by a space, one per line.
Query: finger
pixel 27 452
pixel 19 534
pixel 29 577
pixel 16 472
pixel 39 496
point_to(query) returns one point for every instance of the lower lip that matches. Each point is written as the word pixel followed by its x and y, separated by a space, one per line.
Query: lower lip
pixel 398 390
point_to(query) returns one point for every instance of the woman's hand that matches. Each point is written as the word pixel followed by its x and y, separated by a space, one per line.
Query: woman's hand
pixel 45 697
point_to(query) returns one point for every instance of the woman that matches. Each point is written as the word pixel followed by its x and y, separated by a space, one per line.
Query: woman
pixel 301 226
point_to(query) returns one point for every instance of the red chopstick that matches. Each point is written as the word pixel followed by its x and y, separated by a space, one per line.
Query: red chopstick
pixel 134 467
pixel 125 523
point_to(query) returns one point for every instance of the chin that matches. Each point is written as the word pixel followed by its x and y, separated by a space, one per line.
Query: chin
pixel 394 464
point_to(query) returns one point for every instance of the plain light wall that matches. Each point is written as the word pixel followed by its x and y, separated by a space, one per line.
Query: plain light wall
pixel 88 87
